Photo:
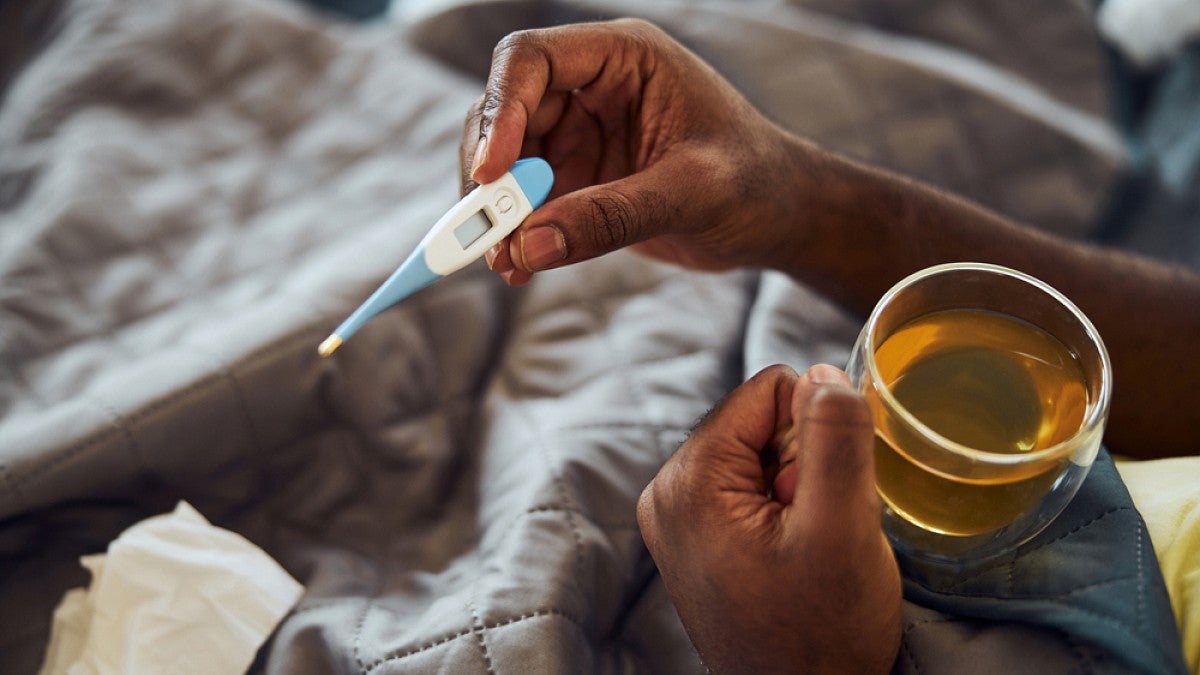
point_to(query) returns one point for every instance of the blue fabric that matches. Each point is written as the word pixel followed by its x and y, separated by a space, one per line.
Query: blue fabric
pixel 1155 208
pixel 1092 574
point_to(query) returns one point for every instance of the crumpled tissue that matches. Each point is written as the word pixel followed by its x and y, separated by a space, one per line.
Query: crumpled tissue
pixel 173 594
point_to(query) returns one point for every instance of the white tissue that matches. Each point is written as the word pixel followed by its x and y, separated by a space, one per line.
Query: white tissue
pixel 173 594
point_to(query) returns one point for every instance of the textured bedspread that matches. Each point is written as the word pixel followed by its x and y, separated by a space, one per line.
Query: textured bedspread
pixel 193 193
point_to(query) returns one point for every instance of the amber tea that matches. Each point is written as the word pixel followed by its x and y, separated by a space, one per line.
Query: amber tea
pixel 985 380
pixel 990 391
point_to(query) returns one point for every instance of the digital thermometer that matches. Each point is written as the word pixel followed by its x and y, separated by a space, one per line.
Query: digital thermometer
pixel 486 215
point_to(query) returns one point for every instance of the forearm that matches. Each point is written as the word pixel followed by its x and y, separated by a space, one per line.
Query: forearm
pixel 864 229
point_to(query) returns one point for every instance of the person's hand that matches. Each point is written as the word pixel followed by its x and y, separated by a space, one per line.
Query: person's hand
pixel 778 567
pixel 649 145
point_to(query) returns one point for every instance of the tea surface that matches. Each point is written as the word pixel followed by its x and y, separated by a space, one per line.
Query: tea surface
pixel 989 382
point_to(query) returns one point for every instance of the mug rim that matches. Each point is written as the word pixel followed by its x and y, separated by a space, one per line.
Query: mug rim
pixel 1095 413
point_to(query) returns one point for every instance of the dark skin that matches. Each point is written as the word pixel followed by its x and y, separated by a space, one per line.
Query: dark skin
pixel 783 576
pixel 654 150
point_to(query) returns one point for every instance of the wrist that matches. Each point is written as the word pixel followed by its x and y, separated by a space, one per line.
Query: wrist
pixel 856 229
pixel 783 186
pixel 826 194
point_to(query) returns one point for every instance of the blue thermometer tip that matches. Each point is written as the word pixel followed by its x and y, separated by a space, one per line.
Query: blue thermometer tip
pixel 409 278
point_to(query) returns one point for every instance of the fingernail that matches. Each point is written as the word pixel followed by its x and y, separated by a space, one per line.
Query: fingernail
pixel 480 152
pixel 826 374
pixel 542 246
pixel 489 256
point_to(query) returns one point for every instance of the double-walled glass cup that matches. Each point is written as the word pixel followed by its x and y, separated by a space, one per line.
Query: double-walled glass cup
pixel 990 391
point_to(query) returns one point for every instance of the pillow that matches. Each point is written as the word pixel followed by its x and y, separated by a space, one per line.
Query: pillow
pixel 1168 496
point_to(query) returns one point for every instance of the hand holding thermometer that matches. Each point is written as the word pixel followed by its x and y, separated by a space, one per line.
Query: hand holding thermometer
pixel 486 215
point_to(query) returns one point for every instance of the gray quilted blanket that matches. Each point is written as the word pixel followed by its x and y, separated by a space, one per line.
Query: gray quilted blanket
pixel 194 192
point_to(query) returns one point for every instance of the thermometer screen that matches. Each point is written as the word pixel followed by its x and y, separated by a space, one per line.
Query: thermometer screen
pixel 472 228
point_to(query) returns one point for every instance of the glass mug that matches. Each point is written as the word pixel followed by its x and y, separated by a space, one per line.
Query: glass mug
pixel 990 391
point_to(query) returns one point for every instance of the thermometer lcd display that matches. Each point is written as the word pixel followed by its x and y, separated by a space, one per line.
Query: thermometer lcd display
pixel 472 228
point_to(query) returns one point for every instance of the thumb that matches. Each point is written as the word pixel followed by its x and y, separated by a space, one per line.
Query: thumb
pixel 835 462
pixel 600 219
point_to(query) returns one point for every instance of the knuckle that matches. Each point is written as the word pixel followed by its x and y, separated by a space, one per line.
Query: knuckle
pixel 513 58
pixel 613 221
pixel 515 41
pixel 775 372
pixel 519 47
pixel 641 27
pixel 489 105
pixel 474 117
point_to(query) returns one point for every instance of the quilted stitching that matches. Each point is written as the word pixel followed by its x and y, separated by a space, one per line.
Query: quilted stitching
pixel 407 482
pixel 1086 575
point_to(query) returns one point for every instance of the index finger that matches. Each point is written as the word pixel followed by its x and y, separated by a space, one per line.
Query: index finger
pixel 527 65
pixel 730 440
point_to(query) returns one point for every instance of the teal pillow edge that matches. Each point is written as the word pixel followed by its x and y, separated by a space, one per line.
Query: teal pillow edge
pixel 1054 581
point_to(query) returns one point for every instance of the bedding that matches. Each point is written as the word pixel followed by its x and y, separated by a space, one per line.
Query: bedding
pixel 193 193
pixel 1164 490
